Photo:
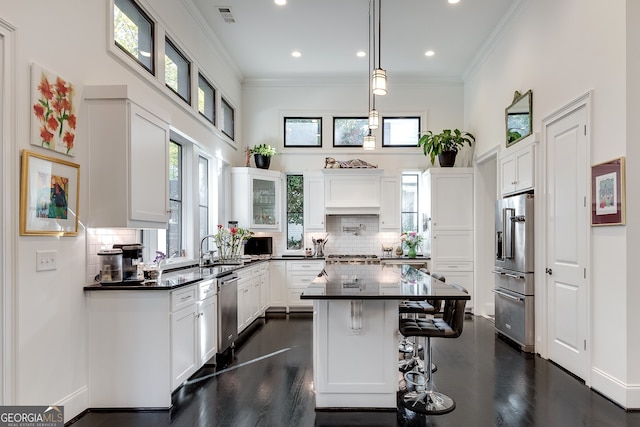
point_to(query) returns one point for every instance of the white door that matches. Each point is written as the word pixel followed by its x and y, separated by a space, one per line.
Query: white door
pixel 567 228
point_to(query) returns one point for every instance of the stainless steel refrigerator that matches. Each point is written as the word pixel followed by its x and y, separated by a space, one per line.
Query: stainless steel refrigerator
pixel 514 270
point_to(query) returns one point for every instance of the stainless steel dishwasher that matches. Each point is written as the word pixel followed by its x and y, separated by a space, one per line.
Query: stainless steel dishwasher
pixel 227 311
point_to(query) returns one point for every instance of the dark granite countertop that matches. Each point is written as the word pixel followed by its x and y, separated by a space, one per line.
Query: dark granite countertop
pixel 173 279
pixel 378 282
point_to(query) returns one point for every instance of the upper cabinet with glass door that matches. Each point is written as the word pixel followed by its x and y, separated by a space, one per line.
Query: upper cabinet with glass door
pixel 256 198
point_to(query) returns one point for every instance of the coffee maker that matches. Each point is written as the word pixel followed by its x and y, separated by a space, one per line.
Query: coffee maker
pixel 131 257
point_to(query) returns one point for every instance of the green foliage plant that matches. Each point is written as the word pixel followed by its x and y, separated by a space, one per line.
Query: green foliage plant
pixel 447 140
pixel 263 150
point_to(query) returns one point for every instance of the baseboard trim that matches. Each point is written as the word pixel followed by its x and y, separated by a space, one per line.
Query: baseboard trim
pixel 75 403
pixel 625 395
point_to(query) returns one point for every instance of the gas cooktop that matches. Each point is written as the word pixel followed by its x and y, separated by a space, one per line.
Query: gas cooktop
pixel 352 259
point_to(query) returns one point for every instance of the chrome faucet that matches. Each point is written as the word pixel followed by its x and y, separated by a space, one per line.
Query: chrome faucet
pixel 202 263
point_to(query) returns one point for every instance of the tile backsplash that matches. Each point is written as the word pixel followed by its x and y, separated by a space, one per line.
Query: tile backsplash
pixel 367 241
pixel 104 238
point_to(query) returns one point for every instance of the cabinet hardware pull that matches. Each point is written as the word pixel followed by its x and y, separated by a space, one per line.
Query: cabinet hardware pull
pixel 185 298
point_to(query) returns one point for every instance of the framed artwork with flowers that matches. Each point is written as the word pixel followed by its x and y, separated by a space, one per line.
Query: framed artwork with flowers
pixel 53 111
pixel 608 193
pixel 49 196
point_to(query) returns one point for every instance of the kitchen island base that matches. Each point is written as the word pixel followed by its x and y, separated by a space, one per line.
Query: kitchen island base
pixel 355 359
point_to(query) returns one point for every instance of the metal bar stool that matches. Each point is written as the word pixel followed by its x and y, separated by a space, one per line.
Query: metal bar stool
pixel 423 397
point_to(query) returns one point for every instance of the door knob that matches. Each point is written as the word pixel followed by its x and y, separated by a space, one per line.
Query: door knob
pixel 548 271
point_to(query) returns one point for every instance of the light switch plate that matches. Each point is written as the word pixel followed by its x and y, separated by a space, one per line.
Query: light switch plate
pixel 46 260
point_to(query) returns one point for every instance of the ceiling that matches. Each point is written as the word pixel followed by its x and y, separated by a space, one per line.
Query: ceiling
pixel 328 33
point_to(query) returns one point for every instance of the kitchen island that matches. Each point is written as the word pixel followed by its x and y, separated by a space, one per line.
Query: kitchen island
pixel 355 330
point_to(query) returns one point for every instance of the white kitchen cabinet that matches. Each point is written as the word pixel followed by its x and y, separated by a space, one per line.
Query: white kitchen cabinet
pixel 265 285
pixel 253 288
pixel 277 284
pixel 256 198
pixel 449 208
pixel 208 320
pixel 300 273
pixel 185 343
pixel 391 204
pixel 314 217
pixel 517 171
pixel 128 148
pixel 162 338
pixel 352 191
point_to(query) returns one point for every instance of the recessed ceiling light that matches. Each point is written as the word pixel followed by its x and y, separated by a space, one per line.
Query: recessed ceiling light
pixel 361 54
pixel 454 1
pixel 296 54
pixel 280 2
pixel 429 53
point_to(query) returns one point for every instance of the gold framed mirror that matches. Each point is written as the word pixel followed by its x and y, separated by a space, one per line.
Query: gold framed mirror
pixel 518 117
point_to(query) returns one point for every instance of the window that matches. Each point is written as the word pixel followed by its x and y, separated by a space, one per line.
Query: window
pixel 174 232
pixel 349 131
pixel 302 132
pixel 133 32
pixel 203 199
pixel 228 119
pixel 206 99
pixel 295 204
pixel 177 72
pixel 410 202
pixel 400 131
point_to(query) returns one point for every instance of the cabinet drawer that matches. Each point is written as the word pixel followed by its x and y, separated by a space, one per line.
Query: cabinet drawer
pixel 439 266
pixel 301 280
pixel 183 297
pixel 314 266
pixel 294 300
pixel 207 288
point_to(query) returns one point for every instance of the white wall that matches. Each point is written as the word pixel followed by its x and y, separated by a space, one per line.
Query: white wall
pixel 48 308
pixel 561 50
pixel 266 103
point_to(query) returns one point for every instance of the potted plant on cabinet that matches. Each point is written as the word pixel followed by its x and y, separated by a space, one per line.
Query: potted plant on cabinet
pixel 445 145
pixel 262 154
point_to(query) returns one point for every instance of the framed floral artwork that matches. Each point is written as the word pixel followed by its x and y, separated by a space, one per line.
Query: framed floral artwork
pixel 608 193
pixel 49 196
pixel 53 115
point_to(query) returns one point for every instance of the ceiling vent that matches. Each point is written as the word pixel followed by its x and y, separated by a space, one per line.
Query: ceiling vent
pixel 225 12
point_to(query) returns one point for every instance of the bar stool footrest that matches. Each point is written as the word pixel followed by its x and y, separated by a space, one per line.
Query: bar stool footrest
pixel 432 403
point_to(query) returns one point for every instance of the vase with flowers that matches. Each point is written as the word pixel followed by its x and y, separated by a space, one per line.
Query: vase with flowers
pixel 230 242
pixel 411 240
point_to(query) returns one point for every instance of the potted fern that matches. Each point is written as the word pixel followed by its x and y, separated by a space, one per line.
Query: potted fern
pixel 262 154
pixel 445 145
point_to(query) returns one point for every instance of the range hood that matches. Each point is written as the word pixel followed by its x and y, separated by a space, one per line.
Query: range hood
pixel 352 211
pixel 352 192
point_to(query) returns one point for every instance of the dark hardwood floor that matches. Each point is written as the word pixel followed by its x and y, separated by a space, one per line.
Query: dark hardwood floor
pixel 492 383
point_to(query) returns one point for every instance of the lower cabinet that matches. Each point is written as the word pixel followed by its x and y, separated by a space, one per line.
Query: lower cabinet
pixel 194 329
pixel 300 273
pixel 143 344
pixel 208 322
pixel 253 288
pixel 185 351
pixel 277 284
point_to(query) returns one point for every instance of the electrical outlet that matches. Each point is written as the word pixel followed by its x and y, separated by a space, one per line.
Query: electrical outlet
pixel 46 260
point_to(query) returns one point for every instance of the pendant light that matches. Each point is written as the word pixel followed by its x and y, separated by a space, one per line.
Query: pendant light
pixel 379 76
pixel 369 141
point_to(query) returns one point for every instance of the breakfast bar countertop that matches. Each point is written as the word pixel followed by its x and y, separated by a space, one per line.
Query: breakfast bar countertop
pixel 378 282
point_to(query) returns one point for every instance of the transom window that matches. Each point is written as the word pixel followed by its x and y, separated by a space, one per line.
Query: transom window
pixel 133 32
pixel 228 119
pixel 177 72
pixel 400 131
pixel 349 131
pixel 206 99
pixel 303 132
